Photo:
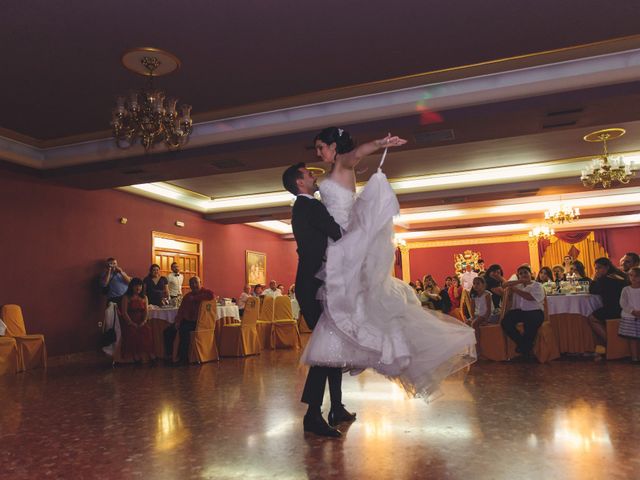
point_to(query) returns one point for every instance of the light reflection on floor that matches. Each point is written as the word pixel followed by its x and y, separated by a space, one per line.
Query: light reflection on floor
pixel 242 419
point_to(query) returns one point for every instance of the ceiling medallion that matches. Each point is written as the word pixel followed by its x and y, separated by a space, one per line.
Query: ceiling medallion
pixel 541 232
pixel 606 169
pixel 562 214
pixel 147 115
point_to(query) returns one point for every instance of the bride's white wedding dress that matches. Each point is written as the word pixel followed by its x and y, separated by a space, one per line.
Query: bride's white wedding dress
pixel 371 319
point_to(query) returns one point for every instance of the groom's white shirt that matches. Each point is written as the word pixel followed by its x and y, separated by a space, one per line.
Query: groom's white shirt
pixel 306 195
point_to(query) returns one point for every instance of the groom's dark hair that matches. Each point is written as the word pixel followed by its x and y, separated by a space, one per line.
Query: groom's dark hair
pixel 290 177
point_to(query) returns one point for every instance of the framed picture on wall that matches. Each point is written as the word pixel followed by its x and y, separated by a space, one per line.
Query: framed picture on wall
pixel 256 266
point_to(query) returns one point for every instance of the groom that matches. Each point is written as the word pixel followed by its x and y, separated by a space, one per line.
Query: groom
pixel 312 226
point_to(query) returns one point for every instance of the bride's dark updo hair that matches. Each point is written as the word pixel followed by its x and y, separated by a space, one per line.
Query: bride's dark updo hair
pixel 342 139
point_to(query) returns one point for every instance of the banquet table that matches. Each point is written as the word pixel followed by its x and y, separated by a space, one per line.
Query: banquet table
pixel 568 316
pixel 161 318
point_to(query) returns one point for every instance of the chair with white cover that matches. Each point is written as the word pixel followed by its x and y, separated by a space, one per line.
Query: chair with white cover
pixel 32 351
pixel 284 331
pixel 241 339
pixel 264 324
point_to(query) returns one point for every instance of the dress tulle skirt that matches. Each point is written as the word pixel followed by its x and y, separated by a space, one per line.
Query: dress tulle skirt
pixel 373 320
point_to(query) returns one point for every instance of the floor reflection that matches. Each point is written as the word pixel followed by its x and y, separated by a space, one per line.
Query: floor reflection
pixel 242 419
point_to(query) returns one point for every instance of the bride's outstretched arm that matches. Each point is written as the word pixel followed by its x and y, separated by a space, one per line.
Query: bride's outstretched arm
pixel 352 158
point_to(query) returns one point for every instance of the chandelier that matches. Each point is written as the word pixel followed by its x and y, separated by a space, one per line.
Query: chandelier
pixel 541 232
pixel 148 115
pixel 606 169
pixel 562 214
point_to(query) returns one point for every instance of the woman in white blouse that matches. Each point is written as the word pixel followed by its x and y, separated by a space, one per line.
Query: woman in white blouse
pixel 527 297
pixel 630 322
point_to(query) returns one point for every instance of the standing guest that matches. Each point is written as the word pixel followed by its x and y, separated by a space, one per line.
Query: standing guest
pixel 628 261
pixel 187 316
pixel 608 283
pixel 156 287
pixel 273 290
pixel 527 307
pixel 175 280
pixel 242 299
pixel 455 295
pixel 114 281
pixel 545 275
pixel 136 332
pixel 558 273
pixel 258 290
pixel 418 286
pixel 630 304
pixel 578 272
pixel 494 278
pixel 467 277
pixel 566 262
pixel 480 268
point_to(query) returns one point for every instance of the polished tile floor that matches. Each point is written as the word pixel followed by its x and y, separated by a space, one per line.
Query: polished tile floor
pixel 241 419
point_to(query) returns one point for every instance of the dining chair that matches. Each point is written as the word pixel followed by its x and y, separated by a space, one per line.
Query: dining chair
pixel 264 324
pixel 32 351
pixel 284 330
pixel 240 339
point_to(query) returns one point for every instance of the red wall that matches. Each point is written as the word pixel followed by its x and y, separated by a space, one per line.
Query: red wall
pixel 439 261
pixel 54 241
pixel 623 240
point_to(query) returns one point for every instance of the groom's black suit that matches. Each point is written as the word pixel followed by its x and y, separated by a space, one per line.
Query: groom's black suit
pixel 312 227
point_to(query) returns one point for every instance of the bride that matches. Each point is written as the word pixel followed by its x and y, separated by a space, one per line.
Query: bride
pixel 371 319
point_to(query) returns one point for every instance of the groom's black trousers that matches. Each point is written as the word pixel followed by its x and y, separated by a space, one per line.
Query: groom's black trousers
pixel 313 392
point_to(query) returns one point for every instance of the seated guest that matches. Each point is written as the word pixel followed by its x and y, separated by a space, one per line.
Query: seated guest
pixel 244 296
pixel 578 272
pixel 630 322
pixel 494 278
pixel 445 303
pixel 174 281
pixel 430 295
pixel 545 275
pixel 481 306
pixel 527 306
pixel 608 283
pixel 455 295
pixel 628 261
pixel 558 273
pixel 467 278
pixel 273 290
pixel 187 318
pixel 155 286
pixel 479 268
pixel 258 290
pixel 292 291
pixel 418 286
pixel 114 281
pixel 566 262
pixel 136 332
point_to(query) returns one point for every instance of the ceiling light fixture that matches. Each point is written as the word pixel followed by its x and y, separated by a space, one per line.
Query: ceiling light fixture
pixel 147 115
pixel 562 214
pixel 541 232
pixel 606 169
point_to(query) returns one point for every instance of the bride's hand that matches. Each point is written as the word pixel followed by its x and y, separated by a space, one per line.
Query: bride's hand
pixel 390 141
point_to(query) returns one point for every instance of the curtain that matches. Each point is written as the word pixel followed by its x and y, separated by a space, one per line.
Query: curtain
pixel 588 250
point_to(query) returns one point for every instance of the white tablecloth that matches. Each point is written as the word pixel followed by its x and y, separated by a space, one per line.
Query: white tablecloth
pixel 169 314
pixel 228 311
pixel 295 309
pixel 166 314
pixel 582 304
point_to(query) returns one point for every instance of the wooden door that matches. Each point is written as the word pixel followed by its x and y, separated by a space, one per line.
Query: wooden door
pixel 187 252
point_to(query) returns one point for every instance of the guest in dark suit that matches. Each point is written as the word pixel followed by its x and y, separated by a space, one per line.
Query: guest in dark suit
pixel 312 227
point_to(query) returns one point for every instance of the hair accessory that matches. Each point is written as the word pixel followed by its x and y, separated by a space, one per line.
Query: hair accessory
pixel 340 131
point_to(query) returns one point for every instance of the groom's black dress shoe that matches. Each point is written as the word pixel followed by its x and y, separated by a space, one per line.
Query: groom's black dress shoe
pixel 314 423
pixel 340 414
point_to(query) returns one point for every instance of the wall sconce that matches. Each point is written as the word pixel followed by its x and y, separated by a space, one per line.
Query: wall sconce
pixel 123 220
pixel 179 224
